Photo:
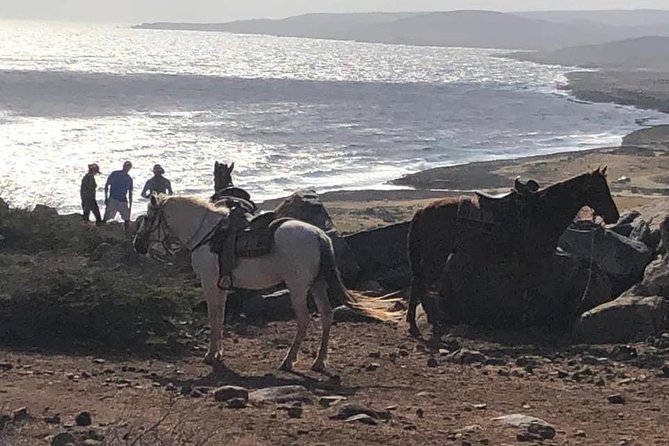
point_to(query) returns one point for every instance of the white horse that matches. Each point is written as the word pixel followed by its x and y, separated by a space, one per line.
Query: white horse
pixel 302 257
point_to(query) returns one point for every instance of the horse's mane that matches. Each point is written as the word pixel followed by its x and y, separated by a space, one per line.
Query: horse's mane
pixel 571 181
pixel 193 200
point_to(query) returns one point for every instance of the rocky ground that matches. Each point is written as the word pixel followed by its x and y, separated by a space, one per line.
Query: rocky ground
pixel 408 393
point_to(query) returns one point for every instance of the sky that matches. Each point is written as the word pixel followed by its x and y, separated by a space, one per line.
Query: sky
pixel 134 11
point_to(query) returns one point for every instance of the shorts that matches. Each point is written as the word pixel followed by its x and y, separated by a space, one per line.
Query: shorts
pixel 114 206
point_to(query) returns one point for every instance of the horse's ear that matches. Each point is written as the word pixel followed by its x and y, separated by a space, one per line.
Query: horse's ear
pixel 215 164
pixel 232 166
pixel 154 200
pixel 603 170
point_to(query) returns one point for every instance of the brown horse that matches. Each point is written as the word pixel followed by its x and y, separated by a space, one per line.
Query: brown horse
pixel 437 231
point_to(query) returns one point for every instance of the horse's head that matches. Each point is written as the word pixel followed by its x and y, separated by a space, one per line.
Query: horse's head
pixel 153 221
pixel 598 196
pixel 223 175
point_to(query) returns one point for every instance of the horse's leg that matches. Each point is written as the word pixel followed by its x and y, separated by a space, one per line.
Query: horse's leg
pixel 417 292
pixel 319 291
pixel 298 298
pixel 215 298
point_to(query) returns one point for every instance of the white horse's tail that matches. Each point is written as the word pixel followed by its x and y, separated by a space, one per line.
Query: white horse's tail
pixel 379 308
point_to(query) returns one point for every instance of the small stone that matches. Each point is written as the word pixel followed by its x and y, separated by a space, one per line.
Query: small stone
pixel 465 356
pixel 623 353
pixel 373 366
pixel 329 401
pixel 63 439
pixel 363 419
pixel 616 399
pixel 226 393
pixel 545 431
pixel 83 419
pixel 91 442
pixel 580 434
pixel 20 414
pixel 5 366
pixel 53 419
pixel 236 403
pixel 432 362
pixel 294 412
pixel 420 413
pixel 375 355
pixel 664 371
pixel 480 406
pixel 98 361
pixel 348 410
pixel 281 394
pixel 525 435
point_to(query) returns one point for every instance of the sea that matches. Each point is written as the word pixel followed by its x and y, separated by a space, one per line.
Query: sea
pixel 291 113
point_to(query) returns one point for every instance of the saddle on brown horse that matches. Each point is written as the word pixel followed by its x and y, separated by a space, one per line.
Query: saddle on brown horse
pixel 245 236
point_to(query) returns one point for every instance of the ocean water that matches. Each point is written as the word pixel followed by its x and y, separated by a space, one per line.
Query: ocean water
pixel 291 113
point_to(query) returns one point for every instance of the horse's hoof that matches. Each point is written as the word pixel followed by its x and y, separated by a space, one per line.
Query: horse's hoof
pixel 286 366
pixel 318 366
pixel 415 332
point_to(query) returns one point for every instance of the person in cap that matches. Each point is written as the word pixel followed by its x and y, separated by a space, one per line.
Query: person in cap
pixel 158 184
pixel 118 195
pixel 87 192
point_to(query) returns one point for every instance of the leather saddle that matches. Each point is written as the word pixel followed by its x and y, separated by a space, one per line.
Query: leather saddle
pixel 245 236
pixel 520 189
pixel 231 196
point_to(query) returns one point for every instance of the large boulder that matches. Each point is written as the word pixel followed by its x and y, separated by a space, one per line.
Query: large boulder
pixel 621 257
pixel 382 255
pixel 305 205
pixel 554 292
pixel 625 319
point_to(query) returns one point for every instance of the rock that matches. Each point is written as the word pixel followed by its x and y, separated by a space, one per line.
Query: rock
pixel 63 439
pixel 373 366
pixel 329 401
pixel 5 366
pixel 348 410
pixel 91 442
pixel 235 403
pixel 622 258
pixel 526 422
pixel 43 211
pixel 280 394
pixel 432 362
pixel 525 435
pixel 20 415
pixel 294 411
pixel 382 255
pixel 465 356
pixel 5 420
pixel 305 205
pixel 545 431
pixel 664 371
pixel 363 419
pixel 627 318
pixel 344 313
pixel 616 399
pixel 623 353
pixel 580 434
pixel 52 419
pixel 226 393
pixel 83 419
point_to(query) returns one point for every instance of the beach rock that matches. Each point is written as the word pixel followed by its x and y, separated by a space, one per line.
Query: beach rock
pixel 43 211
pixel 656 279
pixel 616 399
pixel 329 401
pixel 281 394
pixel 20 415
pixel 622 258
pixel 305 205
pixel 236 403
pixel 363 419
pixel 382 255
pixel 226 393
pixel 465 356
pixel 628 318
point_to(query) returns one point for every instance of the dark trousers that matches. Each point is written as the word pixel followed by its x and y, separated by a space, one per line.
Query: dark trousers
pixel 89 206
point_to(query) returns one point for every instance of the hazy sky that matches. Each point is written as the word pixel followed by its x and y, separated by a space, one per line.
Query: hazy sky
pixel 220 10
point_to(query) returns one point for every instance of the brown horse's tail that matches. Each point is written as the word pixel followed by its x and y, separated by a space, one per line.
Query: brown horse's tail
pixel 379 308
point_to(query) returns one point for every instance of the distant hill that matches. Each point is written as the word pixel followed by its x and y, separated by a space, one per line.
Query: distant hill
pixel 620 17
pixel 651 52
pixel 482 29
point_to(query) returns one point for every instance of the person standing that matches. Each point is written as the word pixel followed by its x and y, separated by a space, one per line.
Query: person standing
pixel 157 184
pixel 87 192
pixel 118 195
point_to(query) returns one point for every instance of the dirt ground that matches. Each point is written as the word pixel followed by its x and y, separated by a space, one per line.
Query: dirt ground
pixel 378 366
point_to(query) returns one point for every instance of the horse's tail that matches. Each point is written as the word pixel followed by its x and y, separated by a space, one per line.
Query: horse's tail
pixel 378 308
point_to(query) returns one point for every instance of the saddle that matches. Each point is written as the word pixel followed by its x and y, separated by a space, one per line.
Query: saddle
pixel 519 189
pixel 245 236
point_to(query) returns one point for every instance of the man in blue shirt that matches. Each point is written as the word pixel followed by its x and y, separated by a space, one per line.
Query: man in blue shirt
pixel 118 195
